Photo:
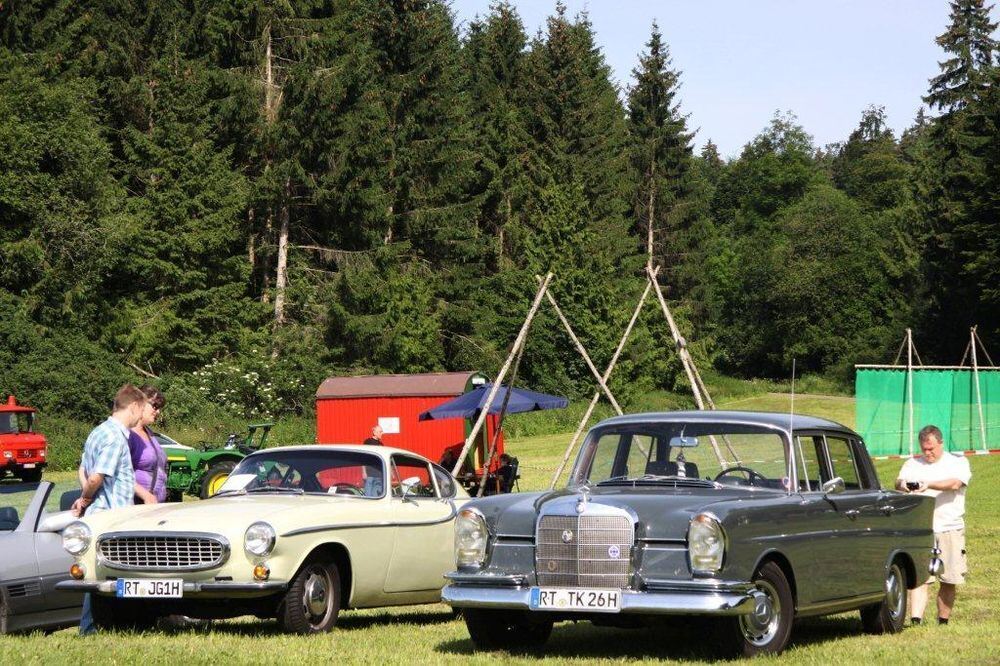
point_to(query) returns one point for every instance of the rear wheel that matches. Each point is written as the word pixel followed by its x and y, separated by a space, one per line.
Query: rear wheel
pixel 115 614
pixel 312 602
pixel 495 629
pixel 887 616
pixel 767 628
pixel 215 476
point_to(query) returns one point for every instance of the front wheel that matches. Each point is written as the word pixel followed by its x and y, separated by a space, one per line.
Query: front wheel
pixel 506 629
pixel 312 602
pixel 767 628
pixel 215 476
pixel 887 616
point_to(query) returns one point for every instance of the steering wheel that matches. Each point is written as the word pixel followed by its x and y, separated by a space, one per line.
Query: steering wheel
pixel 751 474
pixel 347 489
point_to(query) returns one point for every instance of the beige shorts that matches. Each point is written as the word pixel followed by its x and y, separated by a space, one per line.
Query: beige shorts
pixel 952 545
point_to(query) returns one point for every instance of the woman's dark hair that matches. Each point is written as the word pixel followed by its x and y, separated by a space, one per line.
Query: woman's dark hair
pixel 153 396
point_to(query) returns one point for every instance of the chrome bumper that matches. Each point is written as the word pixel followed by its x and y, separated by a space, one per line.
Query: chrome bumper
pixel 721 600
pixel 247 589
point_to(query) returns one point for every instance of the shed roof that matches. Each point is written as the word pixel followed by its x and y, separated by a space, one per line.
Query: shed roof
pixel 370 386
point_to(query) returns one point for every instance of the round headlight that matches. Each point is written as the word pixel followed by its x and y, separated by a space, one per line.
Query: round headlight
pixel 706 544
pixel 259 539
pixel 76 538
pixel 471 536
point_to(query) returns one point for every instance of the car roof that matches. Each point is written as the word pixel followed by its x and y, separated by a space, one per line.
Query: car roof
pixel 778 420
pixel 381 451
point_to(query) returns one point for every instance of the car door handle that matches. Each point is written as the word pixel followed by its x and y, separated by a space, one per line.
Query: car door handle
pixel 888 509
pixel 852 513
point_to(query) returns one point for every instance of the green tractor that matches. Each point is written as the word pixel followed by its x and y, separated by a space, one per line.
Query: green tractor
pixel 201 472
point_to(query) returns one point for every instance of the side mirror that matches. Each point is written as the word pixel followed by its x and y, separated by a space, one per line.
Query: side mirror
pixel 834 486
pixel 408 484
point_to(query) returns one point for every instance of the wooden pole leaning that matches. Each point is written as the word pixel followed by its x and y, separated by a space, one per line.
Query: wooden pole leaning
pixel 503 414
pixel 685 356
pixel 583 351
pixel 607 374
pixel 979 396
pixel 503 372
pixel 909 382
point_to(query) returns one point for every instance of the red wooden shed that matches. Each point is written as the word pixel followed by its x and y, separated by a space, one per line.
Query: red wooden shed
pixel 348 407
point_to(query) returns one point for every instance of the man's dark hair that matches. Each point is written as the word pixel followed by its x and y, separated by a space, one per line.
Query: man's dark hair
pixel 930 431
pixel 153 396
pixel 127 395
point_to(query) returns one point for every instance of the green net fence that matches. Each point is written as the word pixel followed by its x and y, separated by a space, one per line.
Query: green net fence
pixel 945 398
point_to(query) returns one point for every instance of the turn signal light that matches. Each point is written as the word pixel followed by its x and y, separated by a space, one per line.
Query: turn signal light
pixel 261 572
pixel 77 571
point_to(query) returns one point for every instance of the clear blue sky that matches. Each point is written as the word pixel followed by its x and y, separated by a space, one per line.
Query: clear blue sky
pixel 741 60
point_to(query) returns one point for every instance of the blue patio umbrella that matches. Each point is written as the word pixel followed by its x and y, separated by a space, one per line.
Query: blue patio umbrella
pixel 468 405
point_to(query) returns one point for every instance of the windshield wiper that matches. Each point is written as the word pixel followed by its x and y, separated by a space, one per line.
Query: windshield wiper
pixel 277 489
pixel 657 479
pixel 231 491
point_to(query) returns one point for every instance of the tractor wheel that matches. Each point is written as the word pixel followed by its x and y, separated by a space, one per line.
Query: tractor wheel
pixel 215 476
pixel 31 475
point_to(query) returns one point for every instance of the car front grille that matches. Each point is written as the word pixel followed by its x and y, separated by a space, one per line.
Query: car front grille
pixel 162 552
pixel 584 551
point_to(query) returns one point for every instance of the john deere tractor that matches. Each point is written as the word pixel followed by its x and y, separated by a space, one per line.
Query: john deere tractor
pixel 201 472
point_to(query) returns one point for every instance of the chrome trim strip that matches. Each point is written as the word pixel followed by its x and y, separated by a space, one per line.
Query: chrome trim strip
pixel 486 578
pixel 349 526
pixel 838 605
pixel 652 603
pixel 102 561
pixel 704 586
pixel 109 586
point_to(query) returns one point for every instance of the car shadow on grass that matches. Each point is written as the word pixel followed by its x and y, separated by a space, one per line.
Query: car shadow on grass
pixel 680 639
pixel 348 621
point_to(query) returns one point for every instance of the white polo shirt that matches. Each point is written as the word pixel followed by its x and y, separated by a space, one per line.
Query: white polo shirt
pixel 949 505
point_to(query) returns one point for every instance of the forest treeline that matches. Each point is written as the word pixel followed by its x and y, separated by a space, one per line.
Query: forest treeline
pixel 235 198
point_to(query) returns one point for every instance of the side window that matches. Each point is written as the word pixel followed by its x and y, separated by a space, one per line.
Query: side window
pixel 810 469
pixel 842 461
pixel 445 484
pixel 416 473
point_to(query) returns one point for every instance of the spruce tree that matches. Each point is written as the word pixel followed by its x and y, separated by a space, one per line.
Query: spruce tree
pixel 969 40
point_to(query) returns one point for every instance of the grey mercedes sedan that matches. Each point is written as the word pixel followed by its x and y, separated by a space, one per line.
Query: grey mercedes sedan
pixel 755 519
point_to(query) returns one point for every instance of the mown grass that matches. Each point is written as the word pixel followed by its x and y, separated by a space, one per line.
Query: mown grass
pixel 429 634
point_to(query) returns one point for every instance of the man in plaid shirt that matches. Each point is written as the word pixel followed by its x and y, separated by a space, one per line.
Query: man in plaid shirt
pixel 107 477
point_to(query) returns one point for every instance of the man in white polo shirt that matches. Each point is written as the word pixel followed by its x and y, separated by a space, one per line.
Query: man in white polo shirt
pixel 943 476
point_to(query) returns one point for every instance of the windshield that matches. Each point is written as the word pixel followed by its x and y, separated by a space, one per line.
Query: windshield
pixel 14 499
pixel 12 423
pixel 692 453
pixel 324 470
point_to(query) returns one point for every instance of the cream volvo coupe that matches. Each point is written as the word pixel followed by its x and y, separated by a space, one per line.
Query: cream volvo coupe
pixel 295 533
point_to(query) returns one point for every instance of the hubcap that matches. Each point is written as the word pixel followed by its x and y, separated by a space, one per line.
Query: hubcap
pixel 760 625
pixel 894 598
pixel 316 595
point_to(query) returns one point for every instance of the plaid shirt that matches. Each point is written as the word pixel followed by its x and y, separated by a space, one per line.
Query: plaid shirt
pixel 106 452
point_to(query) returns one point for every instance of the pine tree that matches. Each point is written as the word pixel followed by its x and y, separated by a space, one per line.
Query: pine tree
pixel 660 149
pixel 969 40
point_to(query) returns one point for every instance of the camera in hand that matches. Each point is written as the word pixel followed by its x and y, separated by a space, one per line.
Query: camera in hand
pixel 912 485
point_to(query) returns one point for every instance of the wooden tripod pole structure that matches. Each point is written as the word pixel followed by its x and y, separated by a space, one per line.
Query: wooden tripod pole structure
pixel 607 374
pixel 580 348
pixel 503 371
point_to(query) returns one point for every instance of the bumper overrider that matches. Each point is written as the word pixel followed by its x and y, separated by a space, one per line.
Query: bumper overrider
pixel 657 597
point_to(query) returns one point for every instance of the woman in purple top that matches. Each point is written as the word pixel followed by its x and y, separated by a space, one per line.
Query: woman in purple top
pixel 148 459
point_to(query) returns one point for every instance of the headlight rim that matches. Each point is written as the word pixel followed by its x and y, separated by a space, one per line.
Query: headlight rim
pixel 469 514
pixel 707 518
pixel 87 535
pixel 271 540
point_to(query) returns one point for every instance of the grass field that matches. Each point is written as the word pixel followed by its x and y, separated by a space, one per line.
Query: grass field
pixel 429 634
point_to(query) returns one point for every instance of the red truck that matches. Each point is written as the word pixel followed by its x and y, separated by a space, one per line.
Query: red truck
pixel 22 451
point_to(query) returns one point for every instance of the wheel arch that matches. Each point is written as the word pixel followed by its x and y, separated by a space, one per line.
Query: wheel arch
pixel 785 565
pixel 909 567
pixel 338 553
pixel 206 462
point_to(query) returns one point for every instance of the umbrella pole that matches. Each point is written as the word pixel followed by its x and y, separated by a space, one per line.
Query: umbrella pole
pixel 499 428
pixel 503 371
pixel 607 374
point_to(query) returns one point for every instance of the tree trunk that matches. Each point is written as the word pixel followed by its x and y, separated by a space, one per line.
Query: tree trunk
pixel 651 211
pixel 281 275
